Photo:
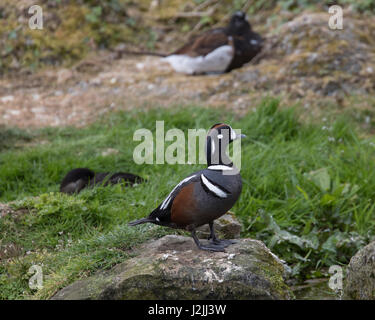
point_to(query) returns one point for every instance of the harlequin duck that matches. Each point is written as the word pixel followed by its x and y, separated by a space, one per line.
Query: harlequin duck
pixel 218 50
pixel 205 195
pixel 80 178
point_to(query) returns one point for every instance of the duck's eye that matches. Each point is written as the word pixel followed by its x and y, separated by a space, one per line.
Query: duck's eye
pixel 220 136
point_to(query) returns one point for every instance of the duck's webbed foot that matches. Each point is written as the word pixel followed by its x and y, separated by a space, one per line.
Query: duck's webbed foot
pixel 209 247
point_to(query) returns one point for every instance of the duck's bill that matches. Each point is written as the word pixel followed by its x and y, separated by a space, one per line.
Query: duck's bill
pixel 240 136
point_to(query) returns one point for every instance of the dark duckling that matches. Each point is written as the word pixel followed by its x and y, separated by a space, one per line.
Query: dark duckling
pixel 80 178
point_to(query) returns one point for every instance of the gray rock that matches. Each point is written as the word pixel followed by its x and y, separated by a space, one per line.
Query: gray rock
pixel 174 268
pixel 226 227
pixel 360 279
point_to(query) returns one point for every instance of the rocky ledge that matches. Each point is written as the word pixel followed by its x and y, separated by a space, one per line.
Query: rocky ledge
pixel 174 268
pixel 360 279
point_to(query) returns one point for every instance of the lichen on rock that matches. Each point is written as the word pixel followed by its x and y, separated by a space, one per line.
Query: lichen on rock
pixel 174 268
pixel 360 278
pixel 306 58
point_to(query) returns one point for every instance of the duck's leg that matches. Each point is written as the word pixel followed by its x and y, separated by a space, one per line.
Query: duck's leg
pixel 224 243
pixel 210 247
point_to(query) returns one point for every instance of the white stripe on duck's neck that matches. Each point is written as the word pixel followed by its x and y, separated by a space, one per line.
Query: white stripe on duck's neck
pixel 220 167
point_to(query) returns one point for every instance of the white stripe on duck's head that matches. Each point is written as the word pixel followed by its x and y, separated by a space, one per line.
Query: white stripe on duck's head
pixel 221 130
pixel 219 137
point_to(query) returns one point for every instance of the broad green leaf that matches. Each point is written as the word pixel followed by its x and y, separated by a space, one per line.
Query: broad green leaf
pixel 320 178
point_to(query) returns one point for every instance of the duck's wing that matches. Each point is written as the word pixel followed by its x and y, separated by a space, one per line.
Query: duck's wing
pixel 204 44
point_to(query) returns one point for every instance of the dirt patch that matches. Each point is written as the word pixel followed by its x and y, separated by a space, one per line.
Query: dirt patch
pixel 9 250
pixel 6 210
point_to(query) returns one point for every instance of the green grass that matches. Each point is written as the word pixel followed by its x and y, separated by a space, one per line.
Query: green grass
pixel 10 137
pixel 308 193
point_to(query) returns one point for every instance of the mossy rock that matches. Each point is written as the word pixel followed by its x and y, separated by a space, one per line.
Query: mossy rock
pixel 360 279
pixel 304 57
pixel 70 31
pixel 174 268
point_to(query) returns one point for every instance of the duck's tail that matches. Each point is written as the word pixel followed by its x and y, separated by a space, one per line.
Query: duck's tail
pixel 142 53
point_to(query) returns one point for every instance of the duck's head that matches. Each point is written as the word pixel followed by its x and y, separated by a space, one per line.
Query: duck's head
pixel 218 139
pixel 238 24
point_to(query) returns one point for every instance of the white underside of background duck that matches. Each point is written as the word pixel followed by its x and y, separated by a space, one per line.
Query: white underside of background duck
pixel 216 61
